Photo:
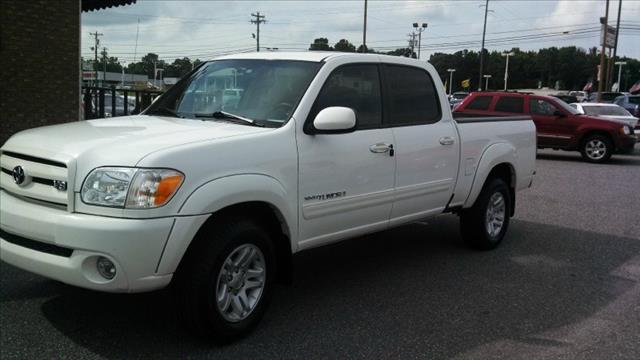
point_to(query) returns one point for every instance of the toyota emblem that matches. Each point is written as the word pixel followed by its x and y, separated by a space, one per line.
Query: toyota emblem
pixel 18 175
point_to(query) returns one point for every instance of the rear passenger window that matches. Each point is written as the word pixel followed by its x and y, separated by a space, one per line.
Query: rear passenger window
pixel 511 104
pixel 412 96
pixel 480 103
pixel 356 87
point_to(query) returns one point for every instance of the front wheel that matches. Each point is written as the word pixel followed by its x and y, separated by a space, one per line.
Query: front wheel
pixel 596 149
pixel 224 289
pixel 484 225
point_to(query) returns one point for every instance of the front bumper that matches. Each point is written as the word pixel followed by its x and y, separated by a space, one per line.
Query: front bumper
pixel 134 245
pixel 627 143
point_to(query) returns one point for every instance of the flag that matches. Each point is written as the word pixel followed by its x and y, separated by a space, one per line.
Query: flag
pixel 635 88
pixel 466 83
pixel 588 86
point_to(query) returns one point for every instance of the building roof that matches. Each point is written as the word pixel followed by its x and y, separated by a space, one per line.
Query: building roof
pixel 91 5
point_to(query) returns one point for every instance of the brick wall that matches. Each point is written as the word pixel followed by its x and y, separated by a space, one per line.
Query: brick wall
pixel 39 64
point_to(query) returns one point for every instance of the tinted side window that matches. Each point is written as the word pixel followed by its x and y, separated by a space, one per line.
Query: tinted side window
pixel 480 103
pixel 510 104
pixel 541 107
pixel 412 96
pixel 356 87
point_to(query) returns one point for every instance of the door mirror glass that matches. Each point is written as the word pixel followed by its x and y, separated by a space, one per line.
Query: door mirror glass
pixel 335 120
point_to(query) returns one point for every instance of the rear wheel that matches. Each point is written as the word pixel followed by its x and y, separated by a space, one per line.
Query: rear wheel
pixel 225 286
pixel 484 225
pixel 596 149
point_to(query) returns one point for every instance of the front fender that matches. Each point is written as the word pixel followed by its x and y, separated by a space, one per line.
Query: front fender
pixel 218 194
pixel 493 155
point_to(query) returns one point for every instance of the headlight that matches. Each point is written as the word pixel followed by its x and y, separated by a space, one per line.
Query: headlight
pixel 131 188
pixel 625 130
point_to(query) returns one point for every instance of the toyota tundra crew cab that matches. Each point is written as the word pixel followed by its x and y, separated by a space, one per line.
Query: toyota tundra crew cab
pixel 213 193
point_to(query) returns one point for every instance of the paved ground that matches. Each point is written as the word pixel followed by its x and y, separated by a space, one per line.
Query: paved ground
pixel 565 284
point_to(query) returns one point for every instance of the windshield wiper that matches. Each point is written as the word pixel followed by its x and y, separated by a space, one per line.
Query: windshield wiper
pixel 225 115
pixel 166 111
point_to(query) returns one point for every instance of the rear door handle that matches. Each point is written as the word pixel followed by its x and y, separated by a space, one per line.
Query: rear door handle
pixel 447 140
pixel 381 148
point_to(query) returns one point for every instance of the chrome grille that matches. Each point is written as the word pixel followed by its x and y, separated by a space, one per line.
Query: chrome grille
pixel 43 180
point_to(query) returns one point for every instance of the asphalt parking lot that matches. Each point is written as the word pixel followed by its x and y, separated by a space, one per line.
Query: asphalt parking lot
pixel 565 284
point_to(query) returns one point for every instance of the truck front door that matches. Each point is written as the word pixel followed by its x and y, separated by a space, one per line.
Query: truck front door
pixel 346 180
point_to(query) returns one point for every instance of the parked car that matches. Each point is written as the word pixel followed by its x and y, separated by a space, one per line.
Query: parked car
pixel 607 97
pixel 457 97
pixel 217 203
pixel 630 102
pixel 119 110
pixel 566 98
pixel 608 111
pixel 580 95
pixel 559 126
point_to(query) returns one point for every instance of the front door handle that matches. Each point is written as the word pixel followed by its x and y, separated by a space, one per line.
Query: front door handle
pixel 381 148
pixel 447 140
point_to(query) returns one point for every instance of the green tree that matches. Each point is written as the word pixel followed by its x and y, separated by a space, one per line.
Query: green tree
pixel 320 44
pixel 344 46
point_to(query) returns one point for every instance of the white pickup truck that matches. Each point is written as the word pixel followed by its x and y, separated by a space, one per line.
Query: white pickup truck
pixel 214 194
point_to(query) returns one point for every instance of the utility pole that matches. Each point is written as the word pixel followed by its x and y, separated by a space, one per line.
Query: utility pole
pixel 95 49
pixel 451 71
pixel 615 46
pixel 412 43
pixel 364 30
pixel 420 30
pixel 484 31
pixel 155 73
pixel 506 68
pixel 602 53
pixel 104 71
pixel 260 19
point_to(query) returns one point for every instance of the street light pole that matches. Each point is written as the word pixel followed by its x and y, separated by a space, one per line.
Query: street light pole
pixel 420 30
pixel 506 68
pixel 484 31
pixel 451 71
pixel 486 81
pixel 620 64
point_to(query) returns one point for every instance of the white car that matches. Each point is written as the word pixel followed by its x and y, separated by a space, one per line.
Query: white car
pixel 607 111
pixel 218 202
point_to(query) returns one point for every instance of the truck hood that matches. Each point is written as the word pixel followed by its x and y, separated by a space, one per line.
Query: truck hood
pixel 119 141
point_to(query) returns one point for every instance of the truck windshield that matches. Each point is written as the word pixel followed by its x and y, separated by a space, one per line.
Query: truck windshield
pixel 265 91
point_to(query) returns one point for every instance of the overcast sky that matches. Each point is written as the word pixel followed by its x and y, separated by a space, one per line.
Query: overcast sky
pixel 204 29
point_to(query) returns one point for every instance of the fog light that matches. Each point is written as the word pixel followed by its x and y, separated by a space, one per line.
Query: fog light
pixel 106 268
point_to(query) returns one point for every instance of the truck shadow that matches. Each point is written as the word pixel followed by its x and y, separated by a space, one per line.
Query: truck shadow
pixel 412 290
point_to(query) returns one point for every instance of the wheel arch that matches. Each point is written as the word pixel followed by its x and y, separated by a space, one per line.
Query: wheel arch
pixel 497 161
pixel 259 197
pixel 584 136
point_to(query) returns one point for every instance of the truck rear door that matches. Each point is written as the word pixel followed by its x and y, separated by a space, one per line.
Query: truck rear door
pixel 425 142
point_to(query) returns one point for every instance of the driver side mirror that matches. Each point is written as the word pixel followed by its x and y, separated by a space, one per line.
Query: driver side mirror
pixel 334 120
pixel 559 113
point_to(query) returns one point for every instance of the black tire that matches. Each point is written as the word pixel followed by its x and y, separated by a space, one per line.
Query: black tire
pixel 604 149
pixel 473 220
pixel 197 279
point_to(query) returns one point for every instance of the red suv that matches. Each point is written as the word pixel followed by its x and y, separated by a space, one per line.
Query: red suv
pixel 559 125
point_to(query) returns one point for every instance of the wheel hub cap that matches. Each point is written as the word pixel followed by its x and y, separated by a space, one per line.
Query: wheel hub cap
pixel 240 283
pixel 496 212
pixel 595 149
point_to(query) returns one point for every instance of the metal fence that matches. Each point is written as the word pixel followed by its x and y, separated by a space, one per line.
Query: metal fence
pixel 100 102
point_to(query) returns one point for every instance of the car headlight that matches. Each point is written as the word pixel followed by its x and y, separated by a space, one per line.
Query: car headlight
pixel 130 188
pixel 625 130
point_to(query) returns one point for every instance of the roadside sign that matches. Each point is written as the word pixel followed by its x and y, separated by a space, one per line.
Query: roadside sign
pixel 610 39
